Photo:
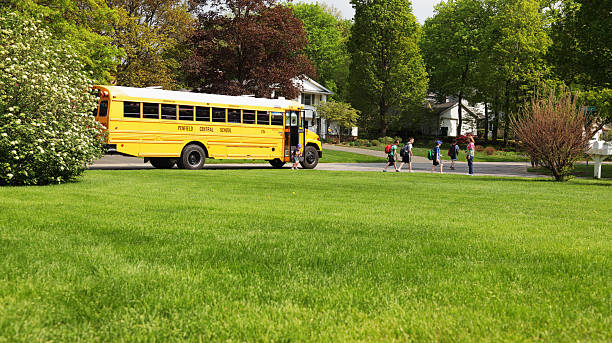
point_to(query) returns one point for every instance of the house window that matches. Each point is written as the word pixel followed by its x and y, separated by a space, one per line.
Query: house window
pixel 307 99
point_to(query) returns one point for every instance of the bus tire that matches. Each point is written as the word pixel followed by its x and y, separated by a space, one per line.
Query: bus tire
pixel 193 157
pixel 311 158
pixel 162 163
pixel 277 163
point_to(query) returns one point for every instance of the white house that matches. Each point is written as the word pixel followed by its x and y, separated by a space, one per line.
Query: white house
pixel 313 94
pixel 444 118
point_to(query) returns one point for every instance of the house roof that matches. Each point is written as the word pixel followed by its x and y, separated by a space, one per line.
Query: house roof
pixel 308 85
pixel 440 108
pixel 153 94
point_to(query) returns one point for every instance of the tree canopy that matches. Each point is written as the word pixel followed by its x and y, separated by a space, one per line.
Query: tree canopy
pixel 247 47
pixel 86 24
pixel 326 48
pixel 387 70
pixel 153 34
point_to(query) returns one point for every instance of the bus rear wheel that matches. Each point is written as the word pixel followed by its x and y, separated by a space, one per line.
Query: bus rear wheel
pixel 193 157
pixel 162 163
pixel 277 163
pixel 311 158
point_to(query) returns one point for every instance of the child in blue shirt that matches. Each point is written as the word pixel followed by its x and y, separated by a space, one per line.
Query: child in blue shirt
pixel 437 160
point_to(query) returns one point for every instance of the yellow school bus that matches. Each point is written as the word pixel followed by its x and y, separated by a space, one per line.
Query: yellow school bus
pixel 170 128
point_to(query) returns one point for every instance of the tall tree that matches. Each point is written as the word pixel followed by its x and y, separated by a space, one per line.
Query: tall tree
pixel 247 47
pixel 387 70
pixel 451 44
pixel 153 35
pixel 581 53
pixel 517 44
pixel 326 48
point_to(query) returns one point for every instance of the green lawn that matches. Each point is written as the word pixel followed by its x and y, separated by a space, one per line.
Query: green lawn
pixel 580 170
pixel 329 156
pixel 275 255
pixel 480 156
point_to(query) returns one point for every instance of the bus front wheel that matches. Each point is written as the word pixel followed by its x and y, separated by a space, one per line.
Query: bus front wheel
pixel 162 163
pixel 193 157
pixel 277 163
pixel 311 158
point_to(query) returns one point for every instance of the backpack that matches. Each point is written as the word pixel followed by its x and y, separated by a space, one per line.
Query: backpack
pixel 430 155
pixel 404 151
pixel 452 151
pixel 388 149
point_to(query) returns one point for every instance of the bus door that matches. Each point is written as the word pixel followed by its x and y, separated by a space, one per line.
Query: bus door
pixel 292 132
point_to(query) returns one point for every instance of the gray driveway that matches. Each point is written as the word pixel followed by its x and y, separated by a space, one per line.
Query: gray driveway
pixel 480 168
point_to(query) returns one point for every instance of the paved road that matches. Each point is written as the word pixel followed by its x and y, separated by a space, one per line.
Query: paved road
pixel 480 168
pixel 376 153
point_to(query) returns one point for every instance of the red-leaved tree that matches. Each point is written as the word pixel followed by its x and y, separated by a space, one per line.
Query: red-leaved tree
pixel 247 47
pixel 553 130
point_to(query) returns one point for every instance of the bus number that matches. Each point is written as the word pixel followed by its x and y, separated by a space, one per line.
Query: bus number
pixel 185 128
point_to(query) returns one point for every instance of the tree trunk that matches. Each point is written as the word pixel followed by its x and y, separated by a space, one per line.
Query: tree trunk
pixel 506 115
pixel 463 79
pixel 486 128
pixel 460 114
pixel 383 121
pixel 496 119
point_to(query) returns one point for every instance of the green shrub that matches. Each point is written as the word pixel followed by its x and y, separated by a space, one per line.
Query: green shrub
pixel 47 133
pixel 375 142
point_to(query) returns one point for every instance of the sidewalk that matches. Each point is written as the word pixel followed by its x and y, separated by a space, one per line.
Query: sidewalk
pixel 480 168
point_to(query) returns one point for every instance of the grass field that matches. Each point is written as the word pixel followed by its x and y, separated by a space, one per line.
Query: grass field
pixel 329 156
pixel 270 255
pixel 580 170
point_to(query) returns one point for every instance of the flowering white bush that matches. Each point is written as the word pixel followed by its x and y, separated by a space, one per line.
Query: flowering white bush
pixel 47 133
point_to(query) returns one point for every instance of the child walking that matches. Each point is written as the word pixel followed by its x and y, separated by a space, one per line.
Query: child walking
pixel 406 153
pixel 295 156
pixel 453 153
pixel 391 157
pixel 437 158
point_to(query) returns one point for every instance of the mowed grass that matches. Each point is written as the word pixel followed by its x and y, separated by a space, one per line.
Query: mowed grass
pixel 271 255
pixel 580 170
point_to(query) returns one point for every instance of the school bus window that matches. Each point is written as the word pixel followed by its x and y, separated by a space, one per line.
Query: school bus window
pixel 131 109
pixel 103 108
pixel 218 115
pixel 277 118
pixel 150 110
pixel 248 117
pixel 185 112
pixel 202 113
pixel 233 116
pixel 263 118
pixel 168 112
